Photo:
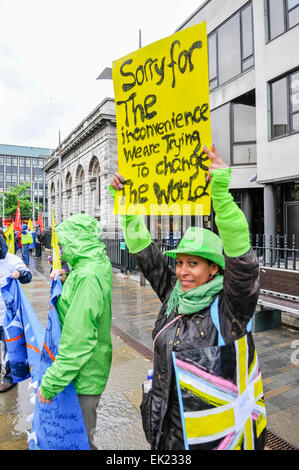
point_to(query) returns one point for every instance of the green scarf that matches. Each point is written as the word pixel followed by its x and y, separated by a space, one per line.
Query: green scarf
pixel 195 299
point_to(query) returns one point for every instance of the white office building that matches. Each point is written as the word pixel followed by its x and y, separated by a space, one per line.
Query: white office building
pixel 254 99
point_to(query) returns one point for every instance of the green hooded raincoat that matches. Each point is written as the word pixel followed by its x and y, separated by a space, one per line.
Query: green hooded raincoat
pixel 84 310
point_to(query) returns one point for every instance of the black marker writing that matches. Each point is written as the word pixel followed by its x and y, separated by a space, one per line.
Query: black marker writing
pixel 136 195
pixel 143 109
pixel 175 192
pixel 182 60
pixel 154 69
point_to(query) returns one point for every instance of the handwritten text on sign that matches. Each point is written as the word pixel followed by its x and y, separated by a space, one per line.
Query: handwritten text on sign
pixel 163 122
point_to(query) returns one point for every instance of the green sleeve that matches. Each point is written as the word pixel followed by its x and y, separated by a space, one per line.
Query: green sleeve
pixel 136 235
pixel 230 220
pixel 78 337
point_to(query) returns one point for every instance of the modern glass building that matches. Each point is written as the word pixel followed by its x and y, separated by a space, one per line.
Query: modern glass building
pixel 20 164
pixel 254 102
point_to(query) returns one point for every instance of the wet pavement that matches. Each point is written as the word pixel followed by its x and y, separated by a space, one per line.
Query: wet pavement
pixel 134 310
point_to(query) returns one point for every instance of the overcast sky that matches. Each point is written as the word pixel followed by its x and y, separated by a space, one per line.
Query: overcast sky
pixel 52 51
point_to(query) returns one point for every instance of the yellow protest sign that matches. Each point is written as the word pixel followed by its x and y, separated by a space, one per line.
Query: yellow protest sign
pixel 10 240
pixel 30 225
pixel 163 122
pixel 55 246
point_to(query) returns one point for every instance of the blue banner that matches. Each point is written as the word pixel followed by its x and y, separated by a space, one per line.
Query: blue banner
pixel 31 350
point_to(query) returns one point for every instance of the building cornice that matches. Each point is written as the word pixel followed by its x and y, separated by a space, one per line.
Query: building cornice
pixel 278 180
pixel 192 15
pixel 94 121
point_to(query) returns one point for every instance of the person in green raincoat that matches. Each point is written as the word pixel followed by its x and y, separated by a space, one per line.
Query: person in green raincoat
pixel 84 310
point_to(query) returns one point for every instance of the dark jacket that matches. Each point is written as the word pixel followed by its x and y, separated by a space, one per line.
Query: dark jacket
pixel 237 301
pixel 39 236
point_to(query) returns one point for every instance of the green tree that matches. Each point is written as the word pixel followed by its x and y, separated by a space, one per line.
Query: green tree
pixel 18 193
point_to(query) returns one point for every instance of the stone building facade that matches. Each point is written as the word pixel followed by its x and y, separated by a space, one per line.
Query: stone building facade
pixel 88 161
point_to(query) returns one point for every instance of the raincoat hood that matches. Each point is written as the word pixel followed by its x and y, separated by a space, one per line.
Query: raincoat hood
pixel 79 237
pixel 84 311
pixel 3 248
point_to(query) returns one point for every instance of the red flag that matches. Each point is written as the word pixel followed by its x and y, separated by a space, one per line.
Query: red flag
pixel 18 224
pixel 40 222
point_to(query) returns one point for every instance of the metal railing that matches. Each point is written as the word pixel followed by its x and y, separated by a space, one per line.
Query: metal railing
pixel 277 253
pixel 121 259
pixel 280 252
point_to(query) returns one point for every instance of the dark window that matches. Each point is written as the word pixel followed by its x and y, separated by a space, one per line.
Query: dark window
pixel 282 15
pixel 234 130
pixel 285 105
pixel 220 125
pixel 279 108
pixel 213 60
pixel 247 38
pixel 244 130
pixel 231 50
pixel 294 95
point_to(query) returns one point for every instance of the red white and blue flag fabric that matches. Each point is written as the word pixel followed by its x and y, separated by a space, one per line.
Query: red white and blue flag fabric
pixel 221 397
pixel 31 350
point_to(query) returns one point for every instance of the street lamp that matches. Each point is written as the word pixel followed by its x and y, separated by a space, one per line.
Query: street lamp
pixel 106 74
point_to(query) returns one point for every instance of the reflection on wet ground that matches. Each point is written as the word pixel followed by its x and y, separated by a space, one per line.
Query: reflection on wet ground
pixel 134 310
pixel 15 407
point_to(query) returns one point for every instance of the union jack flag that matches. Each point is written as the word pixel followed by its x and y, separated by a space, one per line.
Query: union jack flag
pixel 221 396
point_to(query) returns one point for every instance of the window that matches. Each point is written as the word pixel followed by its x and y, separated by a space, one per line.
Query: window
pixel 230 47
pixel 281 16
pixel 247 38
pixel 234 130
pixel 244 131
pixel 284 95
pixel 294 98
pixel 213 69
pixel 220 126
pixel 229 50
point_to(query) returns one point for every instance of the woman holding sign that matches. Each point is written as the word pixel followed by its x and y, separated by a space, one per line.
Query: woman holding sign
pixel 206 389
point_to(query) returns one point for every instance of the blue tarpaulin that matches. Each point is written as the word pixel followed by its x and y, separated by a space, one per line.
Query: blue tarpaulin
pixel 31 350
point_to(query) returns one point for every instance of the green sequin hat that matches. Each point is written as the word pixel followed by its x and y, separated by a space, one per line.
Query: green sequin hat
pixel 200 242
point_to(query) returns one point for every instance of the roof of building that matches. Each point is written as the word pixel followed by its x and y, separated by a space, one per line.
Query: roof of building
pixel 22 151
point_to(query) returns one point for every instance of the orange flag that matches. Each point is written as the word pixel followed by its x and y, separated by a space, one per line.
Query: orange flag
pixel 18 223
pixel 40 222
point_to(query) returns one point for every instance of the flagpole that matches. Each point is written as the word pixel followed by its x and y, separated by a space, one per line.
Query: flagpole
pixel 3 207
pixel 59 184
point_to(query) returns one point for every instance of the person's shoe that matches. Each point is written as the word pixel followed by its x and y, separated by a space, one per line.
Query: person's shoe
pixel 5 386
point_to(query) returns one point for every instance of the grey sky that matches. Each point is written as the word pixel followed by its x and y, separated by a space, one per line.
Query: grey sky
pixel 52 51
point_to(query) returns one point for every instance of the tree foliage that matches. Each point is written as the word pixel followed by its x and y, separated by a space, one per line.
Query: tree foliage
pixel 19 193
